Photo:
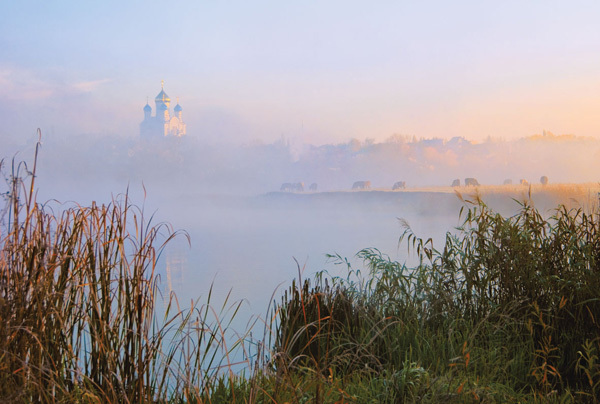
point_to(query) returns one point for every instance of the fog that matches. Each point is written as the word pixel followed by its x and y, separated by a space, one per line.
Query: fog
pixel 250 238
pixel 190 166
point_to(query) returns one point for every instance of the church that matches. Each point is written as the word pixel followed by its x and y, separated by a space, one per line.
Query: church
pixel 163 123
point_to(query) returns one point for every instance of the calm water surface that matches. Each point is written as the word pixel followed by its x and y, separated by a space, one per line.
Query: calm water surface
pixel 249 246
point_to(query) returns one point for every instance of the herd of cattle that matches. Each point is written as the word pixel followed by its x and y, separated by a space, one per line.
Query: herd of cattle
pixel 365 185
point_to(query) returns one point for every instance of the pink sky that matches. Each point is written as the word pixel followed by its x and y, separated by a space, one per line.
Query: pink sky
pixel 312 72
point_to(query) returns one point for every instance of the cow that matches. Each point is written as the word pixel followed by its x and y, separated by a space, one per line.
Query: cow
pixel 295 187
pixel 399 185
pixel 523 182
pixel 362 185
pixel 313 186
pixel 507 181
pixel 544 180
pixel 471 182
pixel 456 183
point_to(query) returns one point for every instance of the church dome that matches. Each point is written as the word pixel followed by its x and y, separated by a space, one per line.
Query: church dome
pixel 178 108
pixel 147 108
pixel 162 96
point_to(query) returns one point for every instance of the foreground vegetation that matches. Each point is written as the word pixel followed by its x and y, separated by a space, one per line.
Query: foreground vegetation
pixel 507 311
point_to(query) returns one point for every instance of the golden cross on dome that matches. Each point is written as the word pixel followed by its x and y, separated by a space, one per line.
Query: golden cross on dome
pixel 162 84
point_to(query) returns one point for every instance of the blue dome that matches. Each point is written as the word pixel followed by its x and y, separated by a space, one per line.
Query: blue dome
pixel 177 108
pixel 148 108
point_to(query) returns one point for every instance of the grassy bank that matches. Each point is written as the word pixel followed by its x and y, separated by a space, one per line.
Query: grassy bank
pixel 506 311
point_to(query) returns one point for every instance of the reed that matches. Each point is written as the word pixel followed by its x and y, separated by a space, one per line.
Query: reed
pixel 78 318
pixel 506 311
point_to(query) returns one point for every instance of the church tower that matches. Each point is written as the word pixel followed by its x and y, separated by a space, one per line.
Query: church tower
pixel 162 124
pixel 178 109
pixel 147 111
pixel 162 102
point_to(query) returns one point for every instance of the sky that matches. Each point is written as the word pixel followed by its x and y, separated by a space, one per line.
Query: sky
pixel 313 71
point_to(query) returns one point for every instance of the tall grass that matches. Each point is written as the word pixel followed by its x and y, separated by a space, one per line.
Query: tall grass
pixel 506 311
pixel 78 321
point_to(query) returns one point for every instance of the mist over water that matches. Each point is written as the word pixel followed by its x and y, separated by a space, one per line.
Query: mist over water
pixel 250 239
pixel 252 244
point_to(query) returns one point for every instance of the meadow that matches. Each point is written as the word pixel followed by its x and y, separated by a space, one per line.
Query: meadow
pixel 504 311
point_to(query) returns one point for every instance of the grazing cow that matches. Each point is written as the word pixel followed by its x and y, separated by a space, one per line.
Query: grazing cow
pixel 471 182
pixel 456 183
pixel 544 180
pixel 507 181
pixel 399 185
pixel 362 185
pixel 313 186
pixel 523 182
pixel 295 187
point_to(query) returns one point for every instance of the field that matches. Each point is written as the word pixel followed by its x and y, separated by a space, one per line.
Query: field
pixel 450 199
pixel 505 311
pixel 580 191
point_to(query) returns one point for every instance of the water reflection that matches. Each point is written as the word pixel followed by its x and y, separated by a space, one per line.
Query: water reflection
pixel 175 266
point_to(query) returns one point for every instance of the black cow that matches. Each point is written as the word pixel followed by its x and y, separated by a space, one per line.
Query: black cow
pixel 399 185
